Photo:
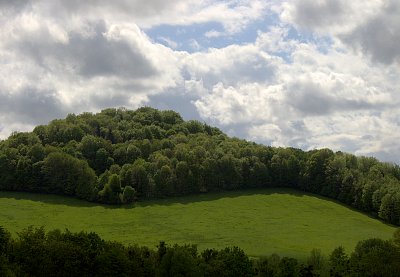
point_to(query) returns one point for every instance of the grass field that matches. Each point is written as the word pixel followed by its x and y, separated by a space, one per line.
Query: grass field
pixel 261 222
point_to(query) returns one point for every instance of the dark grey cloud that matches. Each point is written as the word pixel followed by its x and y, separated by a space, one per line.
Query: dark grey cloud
pixel 258 70
pixel 65 10
pixel 99 56
pixel 93 55
pixel 103 101
pixel 311 99
pixel 31 106
pixel 379 37
pixel 176 100
pixel 73 7
pixel 311 13
pixel 375 33
pixel 8 6
pixel 390 156
pixel 133 7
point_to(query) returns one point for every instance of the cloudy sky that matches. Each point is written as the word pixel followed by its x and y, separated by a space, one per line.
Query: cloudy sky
pixel 301 73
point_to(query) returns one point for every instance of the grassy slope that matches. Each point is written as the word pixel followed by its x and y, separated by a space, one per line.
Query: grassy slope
pixel 259 221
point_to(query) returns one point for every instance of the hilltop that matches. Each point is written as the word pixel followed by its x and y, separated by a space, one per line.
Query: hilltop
pixel 121 156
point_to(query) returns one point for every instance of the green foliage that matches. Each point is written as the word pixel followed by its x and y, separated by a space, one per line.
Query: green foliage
pixel 114 183
pixel 375 257
pixel 36 252
pixel 178 261
pixel 390 207
pixel 111 191
pixel 128 195
pixel 396 237
pixel 180 157
pixel 318 263
pixel 288 267
pixel 233 260
pixel 5 240
pixel 339 262
pixel 64 174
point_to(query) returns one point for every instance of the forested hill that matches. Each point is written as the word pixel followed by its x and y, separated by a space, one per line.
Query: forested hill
pixel 120 156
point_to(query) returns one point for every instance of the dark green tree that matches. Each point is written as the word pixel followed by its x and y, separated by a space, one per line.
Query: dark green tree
pixel 375 257
pixel 339 263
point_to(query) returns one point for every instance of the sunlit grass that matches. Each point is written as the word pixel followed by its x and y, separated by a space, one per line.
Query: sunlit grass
pixel 261 222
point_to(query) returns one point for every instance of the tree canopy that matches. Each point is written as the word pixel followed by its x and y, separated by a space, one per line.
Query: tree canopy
pixel 35 252
pixel 120 156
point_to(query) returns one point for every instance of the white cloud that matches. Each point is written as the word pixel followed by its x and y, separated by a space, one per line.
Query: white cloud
pixel 233 15
pixel 245 104
pixel 231 65
pixel 334 16
pixel 213 34
pixel 72 56
pixel 372 27
pixel 106 65
pixel 194 45
pixel 314 99
pixel 169 42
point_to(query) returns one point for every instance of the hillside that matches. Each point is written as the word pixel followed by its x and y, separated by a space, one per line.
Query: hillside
pixel 261 222
pixel 121 156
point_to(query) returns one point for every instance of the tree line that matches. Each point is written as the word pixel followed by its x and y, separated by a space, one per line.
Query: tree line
pixel 121 156
pixel 35 252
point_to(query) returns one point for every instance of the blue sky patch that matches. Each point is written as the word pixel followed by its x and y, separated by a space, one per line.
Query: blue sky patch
pixel 198 37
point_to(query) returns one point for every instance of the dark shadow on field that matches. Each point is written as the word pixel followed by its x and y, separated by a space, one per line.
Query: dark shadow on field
pixel 46 198
pixel 167 201
pixel 183 200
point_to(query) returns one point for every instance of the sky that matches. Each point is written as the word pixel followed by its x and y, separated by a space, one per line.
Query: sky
pixel 302 73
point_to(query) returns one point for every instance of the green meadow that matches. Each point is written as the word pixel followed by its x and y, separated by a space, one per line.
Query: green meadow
pixel 261 222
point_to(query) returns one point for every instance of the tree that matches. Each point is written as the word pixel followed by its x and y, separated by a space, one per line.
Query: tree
pixel 229 169
pixel 231 261
pixel 165 181
pixel 112 261
pixel 178 261
pixel 24 174
pixel 65 174
pixel 314 177
pixel 396 237
pixel 36 153
pixel 376 257
pixel 29 251
pixel 268 267
pixel 111 191
pixel 288 267
pixel 339 262
pixel 114 183
pixel 136 176
pixel 318 263
pixel 390 208
pixel 183 176
pixel 128 195
pixel 102 160
pixel 5 240
pixel 90 145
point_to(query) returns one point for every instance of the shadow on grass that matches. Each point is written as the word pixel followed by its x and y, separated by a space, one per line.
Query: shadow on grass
pixel 46 198
pixel 183 200
pixel 55 199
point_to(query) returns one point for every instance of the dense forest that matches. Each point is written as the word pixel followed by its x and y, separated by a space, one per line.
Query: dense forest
pixel 38 253
pixel 122 156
